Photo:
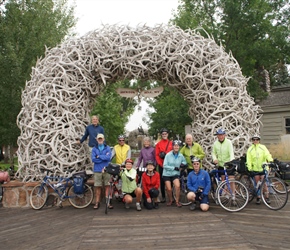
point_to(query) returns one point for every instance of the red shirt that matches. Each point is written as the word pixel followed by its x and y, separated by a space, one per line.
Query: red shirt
pixel 161 146
pixel 149 182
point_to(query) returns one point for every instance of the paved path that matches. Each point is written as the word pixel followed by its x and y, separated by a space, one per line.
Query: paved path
pixel 256 227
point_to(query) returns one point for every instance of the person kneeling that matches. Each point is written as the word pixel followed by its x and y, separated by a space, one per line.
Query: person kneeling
pixel 150 184
pixel 129 185
pixel 198 183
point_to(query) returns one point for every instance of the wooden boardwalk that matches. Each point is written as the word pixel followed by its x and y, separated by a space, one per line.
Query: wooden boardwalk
pixel 255 227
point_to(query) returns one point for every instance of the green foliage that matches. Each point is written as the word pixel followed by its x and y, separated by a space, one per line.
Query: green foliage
pixel 171 112
pixel 26 28
pixel 113 111
pixel 256 32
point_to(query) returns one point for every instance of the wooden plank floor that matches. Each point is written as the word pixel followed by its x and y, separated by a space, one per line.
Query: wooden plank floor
pixel 256 227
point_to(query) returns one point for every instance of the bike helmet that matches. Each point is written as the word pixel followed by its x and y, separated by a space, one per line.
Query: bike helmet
pixel 256 136
pixel 130 161
pixel 195 159
pixel 121 137
pixel 164 130
pixel 150 163
pixel 177 142
pixel 220 131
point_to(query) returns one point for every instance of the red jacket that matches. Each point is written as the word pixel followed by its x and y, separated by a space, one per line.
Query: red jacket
pixel 149 182
pixel 161 146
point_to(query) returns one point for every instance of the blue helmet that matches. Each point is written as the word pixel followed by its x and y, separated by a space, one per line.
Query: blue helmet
pixel 220 131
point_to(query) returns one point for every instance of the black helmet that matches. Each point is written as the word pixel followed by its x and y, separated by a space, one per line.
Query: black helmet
pixel 164 130
pixel 150 163
pixel 177 142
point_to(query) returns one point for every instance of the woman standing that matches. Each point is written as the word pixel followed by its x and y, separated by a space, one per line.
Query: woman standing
pixel 171 171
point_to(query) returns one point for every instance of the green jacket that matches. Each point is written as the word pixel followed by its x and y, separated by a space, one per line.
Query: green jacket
pixel 195 150
pixel 257 154
pixel 127 185
pixel 223 152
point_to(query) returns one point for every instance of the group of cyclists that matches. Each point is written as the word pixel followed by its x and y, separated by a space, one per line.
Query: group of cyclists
pixel 159 167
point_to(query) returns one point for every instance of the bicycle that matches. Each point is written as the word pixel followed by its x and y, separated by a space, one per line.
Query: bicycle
pixel 274 193
pixel 232 195
pixel 115 186
pixel 63 188
pixel 183 189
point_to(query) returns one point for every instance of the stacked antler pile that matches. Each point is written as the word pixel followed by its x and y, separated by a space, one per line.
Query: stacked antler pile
pixel 64 85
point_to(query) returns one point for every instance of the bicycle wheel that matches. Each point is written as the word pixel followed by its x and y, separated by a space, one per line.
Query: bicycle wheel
pixel 246 180
pixel 38 196
pixel 80 200
pixel 233 196
pixel 183 195
pixel 274 195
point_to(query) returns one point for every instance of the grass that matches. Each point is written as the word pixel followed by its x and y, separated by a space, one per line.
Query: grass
pixel 280 151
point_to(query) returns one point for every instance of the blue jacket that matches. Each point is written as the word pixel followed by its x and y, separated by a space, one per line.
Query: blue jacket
pixel 201 179
pixel 92 131
pixel 170 162
pixel 103 159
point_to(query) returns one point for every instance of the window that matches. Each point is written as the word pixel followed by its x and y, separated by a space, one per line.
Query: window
pixel 287 125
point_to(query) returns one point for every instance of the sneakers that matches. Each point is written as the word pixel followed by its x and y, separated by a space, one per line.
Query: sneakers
pixel 127 205
pixel 138 206
pixel 258 202
pixel 268 201
pixel 192 206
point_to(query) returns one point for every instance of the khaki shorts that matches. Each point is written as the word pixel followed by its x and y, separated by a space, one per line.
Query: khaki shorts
pixel 101 179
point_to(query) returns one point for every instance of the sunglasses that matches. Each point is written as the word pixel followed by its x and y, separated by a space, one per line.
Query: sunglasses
pixel 256 140
pixel 121 140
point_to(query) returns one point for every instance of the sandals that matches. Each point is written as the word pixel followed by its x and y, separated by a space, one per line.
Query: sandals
pixel 178 204
pixel 97 205
pixel 169 203
pixel 110 206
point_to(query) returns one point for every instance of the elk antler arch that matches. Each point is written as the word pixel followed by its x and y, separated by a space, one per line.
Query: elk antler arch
pixel 64 85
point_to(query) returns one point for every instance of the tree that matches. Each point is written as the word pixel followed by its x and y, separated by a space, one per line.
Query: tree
pixel 26 28
pixel 171 112
pixel 114 111
pixel 256 32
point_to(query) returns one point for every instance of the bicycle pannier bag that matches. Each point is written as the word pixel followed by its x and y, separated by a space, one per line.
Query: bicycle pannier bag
pixel 113 169
pixel 79 185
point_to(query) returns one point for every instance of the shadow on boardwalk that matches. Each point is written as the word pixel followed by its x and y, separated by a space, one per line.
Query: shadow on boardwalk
pixel 255 227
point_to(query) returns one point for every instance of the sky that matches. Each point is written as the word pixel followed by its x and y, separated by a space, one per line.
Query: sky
pixel 92 14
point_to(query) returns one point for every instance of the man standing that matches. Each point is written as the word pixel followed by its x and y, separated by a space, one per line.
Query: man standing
pixel 222 150
pixel 101 156
pixel 191 150
pixel 161 149
pixel 122 151
pixel 92 131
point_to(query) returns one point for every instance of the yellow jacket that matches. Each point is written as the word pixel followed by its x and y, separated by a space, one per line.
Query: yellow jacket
pixel 122 153
pixel 257 154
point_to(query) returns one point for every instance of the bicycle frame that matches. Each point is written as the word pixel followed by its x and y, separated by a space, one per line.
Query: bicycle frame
pixel 272 189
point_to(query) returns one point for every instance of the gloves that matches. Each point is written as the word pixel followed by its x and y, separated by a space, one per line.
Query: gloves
pixel 251 173
pixel 183 166
pixel 201 196
pixel 176 168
